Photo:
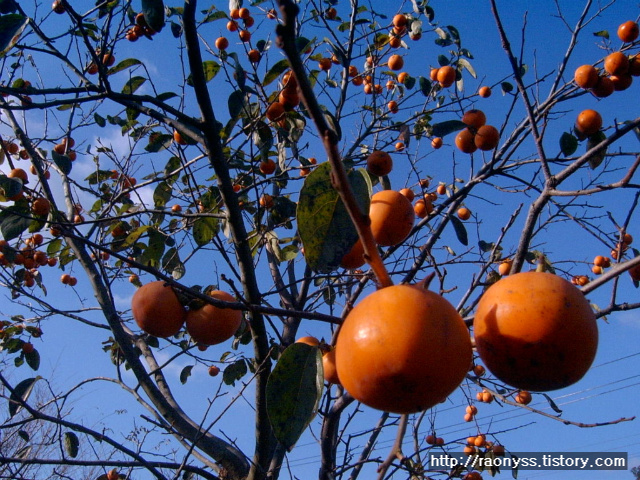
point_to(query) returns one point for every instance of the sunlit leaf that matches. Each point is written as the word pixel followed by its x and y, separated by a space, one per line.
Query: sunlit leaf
pixel 124 64
pixel 21 394
pixel 11 27
pixel 275 71
pixel 467 65
pixel 325 227
pixel 602 33
pixel 71 444
pixel 132 85
pixel 294 390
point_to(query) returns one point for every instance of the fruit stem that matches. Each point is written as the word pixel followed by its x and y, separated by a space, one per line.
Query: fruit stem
pixel 286 41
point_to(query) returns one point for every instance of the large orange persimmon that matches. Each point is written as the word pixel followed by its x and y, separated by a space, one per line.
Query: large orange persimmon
pixel 535 331
pixel 210 324
pixel 403 349
pixel 391 216
pixel 156 309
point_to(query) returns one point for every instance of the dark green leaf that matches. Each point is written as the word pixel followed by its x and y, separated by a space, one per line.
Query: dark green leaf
pixel 100 121
pixel 445 128
pixel 13 221
pixel 325 227
pixel 9 187
pixel 552 404
pixel 461 231
pixel 275 71
pixel 153 14
pixel 132 85
pixel 234 372
pixel 23 435
pixel 162 194
pixel 62 162
pixel 596 159
pixel 236 103
pixel 171 263
pixel 71 444
pixel 568 144
pixel 205 229
pixel 602 33
pixel 124 64
pixel 216 15
pixel 21 394
pixel 11 27
pixel 8 6
pixel 185 374
pixel 33 359
pixel 176 30
pixel 443 61
pixel 158 141
pixel 506 87
pixel 425 86
pixel 293 392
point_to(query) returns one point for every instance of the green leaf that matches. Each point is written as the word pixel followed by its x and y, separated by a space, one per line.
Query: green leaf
pixel 568 144
pixel 275 71
pixel 294 390
pixel 185 374
pixel 158 141
pixel 100 121
pixel 596 159
pixel 204 230
pixel 461 231
pixel 236 103
pixel 211 69
pixel 62 162
pixel 171 263
pixel 13 221
pixel 134 235
pixel 21 394
pixel 234 372
pixel 153 11
pixel 132 85
pixel 325 227
pixel 33 359
pixel 506 87
pixel 124 64
pixel 467 65
pixel 71 444
pixel 445 128
pixel 11 27
pixel 9 187
pixel 602 33
pixel 162 194
pixel 425 86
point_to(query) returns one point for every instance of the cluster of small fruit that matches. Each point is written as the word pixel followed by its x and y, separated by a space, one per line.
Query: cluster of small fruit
pixel 40 206
pixel 474 443
pixel 28 257
pixel 477 134
pixel 619 69
pixel 107 59
pixel 601 262
pixel 139 29
pixel 65 148
pixel 12 148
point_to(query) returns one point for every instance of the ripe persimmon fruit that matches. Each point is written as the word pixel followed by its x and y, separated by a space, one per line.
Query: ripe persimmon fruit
pixel 403 77
pixel 523 397
pixel 621 82
pixel 399 20
pixel 211 325
pixel 329 367
pixel 379 163
pixel 484 91
pixel 275 111
pixel 309 340
pixel 487 137
pixel 156 309
pixel 436 143
pixel 392 217
pixel 628 31
pixel 355 258
pixel 616 63
pixel 395 62
pixel 446 76
pixel 474 118
pixel 41 207
pixel 465 141
pixel 535 331
pixel 403 349
pixel 586 76
pixel 603 88
pixel 588 122
pixel 267 167
pixel 407 192
pixel 463 213
pixel 19 173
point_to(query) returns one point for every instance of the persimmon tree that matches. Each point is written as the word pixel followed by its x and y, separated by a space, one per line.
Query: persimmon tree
pixel 229 148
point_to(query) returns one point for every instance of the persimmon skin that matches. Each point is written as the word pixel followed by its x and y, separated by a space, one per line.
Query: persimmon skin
pixel 403 349
pixel 391 216
pixel 211 325
pixel 156 309
pixel 536 331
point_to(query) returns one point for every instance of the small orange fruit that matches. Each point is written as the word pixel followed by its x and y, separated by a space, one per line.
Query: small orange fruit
pixel 393 106
pixel 628 31
pixel 433 74
pixel 211 325
pixel 253 55
pixel 403 363
pixel 535 331
pixel 484 91
pixel 464 213
pixel 588 122
pixel 392 217
pixel 523 397
pixel 355 258
pixel 474 118
pixel 487 137
pixel 324 64
pixel 329 367
pixel 407 192
pixel 465 141
pixel 309 340
pixel 616 63
pixel 446 76
pixel 41 207
pixel 267 167
pixel 379 163
pixel 19 173
pixel 395 62
pixel 621 82
pixel 441 189
pixel 275 111
pixel 403 77
pixel 400 146
pixel 156 309
pixel 399 20
pixel 603 88
pixel 245 35
pixel 214 370
pixel 423 208
pixel 266 201
pixel 586 76
pixel 436 142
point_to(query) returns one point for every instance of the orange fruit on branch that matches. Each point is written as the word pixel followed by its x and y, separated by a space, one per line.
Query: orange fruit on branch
pixel 446 76
pixel 588 122
pixel 465 141
pixel 392 217
pixel 586 76
pixel 379 163
pixel 616 63
pixel 395 62
pixel 474 118
pixel 156 309
pixel 535 331
pixel 403 349
pixel 487 137
pixel 628 31
pixel 211 325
